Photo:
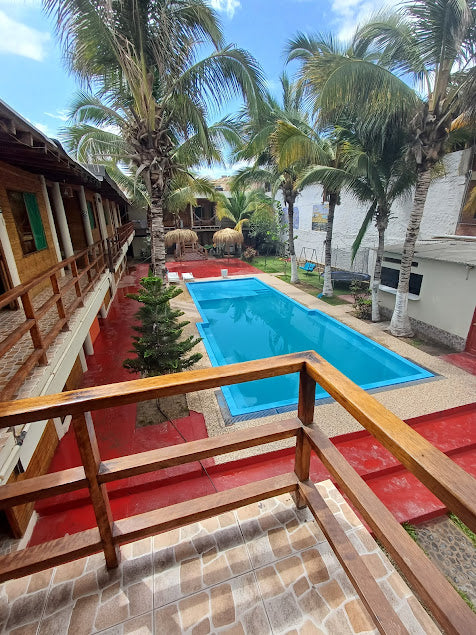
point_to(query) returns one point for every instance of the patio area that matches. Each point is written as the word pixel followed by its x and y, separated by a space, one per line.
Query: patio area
pixel 264 568
pixel 212 267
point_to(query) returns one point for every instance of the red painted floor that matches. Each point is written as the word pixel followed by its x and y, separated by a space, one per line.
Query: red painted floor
pixel 452 431
pixel 466 361
pixel 212 267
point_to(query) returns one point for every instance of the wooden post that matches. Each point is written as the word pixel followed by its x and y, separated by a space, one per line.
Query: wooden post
pixel 307 397
pixel 74 272
pixel 35 329
pixel 88 448
pixel 87 266
pixel 59 302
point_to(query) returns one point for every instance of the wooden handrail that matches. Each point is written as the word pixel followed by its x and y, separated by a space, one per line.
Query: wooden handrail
pixel 136 390
pixel 93 260
pixel 450 483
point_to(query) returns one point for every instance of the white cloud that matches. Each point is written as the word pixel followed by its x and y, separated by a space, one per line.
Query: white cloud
pixel 226 6
pixel 350 13
pixel 62 115
pixel 46 130
pixel 19 39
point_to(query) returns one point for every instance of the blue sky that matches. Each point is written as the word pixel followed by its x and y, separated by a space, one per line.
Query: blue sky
pixel 35 82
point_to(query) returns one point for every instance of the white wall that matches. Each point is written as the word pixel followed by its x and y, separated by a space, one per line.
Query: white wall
pixel 442 210
pixel 445 286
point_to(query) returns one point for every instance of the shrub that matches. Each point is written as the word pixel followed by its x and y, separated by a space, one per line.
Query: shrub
pixel 249 254
pixel 362 300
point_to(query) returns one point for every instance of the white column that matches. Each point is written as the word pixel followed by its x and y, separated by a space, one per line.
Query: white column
pixel 88 345
pixel 51 220
pixel 117 215
pixel 82 360
pixel 102 220
pixel 7 250
pixel 83 204
pixel 108 207
pixel 62 221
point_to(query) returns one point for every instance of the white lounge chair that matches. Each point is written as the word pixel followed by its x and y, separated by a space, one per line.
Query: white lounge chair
pixel 187 277
pixel 173 276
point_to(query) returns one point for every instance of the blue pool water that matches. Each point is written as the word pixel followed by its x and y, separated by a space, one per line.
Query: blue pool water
pixel 246 319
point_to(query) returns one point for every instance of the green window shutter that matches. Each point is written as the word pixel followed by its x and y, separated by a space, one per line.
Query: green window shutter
pixel 36 223
pixel 92 220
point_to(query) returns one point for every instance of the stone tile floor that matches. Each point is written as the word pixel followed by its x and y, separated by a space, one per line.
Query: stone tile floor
pixel 452 552
pixel 265 568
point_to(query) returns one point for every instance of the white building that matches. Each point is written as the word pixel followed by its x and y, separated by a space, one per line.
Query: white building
pixel 441 217
pixel 444 271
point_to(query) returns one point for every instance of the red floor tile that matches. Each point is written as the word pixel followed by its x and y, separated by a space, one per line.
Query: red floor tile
pixel 466 361
pixel 212 267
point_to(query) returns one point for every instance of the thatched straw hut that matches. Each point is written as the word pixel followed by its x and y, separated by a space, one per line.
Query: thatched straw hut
pixel 227 237
pixel 180 236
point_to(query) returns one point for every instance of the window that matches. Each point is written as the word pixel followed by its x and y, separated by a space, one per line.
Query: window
pixel 198 212
pixel 25 210
pixel 390 277
pixel 92 216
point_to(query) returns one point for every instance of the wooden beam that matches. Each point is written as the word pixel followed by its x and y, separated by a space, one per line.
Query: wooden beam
pixel 134 464
pixel 443 477
pixel 88 448
pixel 181 514
pixel 95 398
pixel 38 487
pixel 429 583
pixel 49 554
pixel 383 615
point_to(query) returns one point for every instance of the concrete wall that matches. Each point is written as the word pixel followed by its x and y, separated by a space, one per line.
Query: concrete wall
pixel 441 216
pixel 446 301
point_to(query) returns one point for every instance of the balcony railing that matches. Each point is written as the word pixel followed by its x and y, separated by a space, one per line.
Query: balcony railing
pixel 43 320
pixel 48 302
pixel 117 242
pixel 441 475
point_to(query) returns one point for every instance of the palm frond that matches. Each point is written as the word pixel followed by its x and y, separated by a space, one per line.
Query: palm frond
pixel 363 230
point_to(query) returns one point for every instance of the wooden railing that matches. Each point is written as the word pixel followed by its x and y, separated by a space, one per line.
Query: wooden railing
pixel 441 475
pixel 87 265
pixel 212 222
pixel 117 242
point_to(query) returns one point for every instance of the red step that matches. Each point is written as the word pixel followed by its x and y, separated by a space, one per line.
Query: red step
pixel 452 431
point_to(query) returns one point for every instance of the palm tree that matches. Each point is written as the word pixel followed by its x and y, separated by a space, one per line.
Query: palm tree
pixel 380 174
pixel 241 204
pixel 432 43
pixel 272 168
pixel 312 156
pixel 153 91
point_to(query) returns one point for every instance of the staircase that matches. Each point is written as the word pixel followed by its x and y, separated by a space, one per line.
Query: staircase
pixel 190 251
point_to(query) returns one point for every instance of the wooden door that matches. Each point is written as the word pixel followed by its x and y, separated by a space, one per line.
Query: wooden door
pixel 471 341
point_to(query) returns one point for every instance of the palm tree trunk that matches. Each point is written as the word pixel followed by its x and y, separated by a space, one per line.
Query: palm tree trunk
pixel 292 251
pixel 327 289
pixel 400 324
pixel 157 242
pixel 381 227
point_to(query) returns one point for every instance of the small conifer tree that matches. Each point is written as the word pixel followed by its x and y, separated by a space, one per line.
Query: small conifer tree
pixel 160 351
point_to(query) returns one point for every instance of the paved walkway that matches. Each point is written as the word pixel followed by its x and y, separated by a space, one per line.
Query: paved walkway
pixel 452 552
pixel 212 267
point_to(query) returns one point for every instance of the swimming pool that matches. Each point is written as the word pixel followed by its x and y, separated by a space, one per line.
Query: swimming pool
pixel 246 319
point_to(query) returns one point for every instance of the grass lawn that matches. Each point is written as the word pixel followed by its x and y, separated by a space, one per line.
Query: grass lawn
pixel 309 282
